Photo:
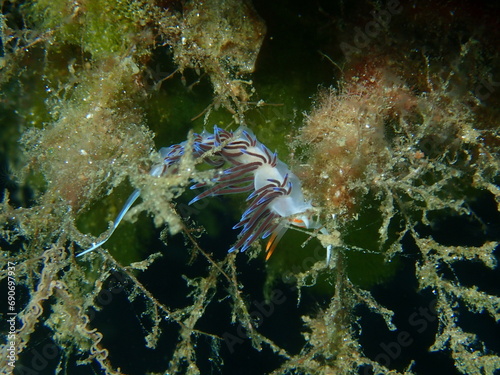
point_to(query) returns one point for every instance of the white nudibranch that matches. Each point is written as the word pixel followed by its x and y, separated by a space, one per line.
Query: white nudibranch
pixel 276 198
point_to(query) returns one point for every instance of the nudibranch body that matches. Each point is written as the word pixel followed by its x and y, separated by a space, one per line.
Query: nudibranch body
pixel 244 166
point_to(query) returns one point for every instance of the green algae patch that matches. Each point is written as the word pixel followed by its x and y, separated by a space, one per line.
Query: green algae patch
pixel 130 241
pixel 101 28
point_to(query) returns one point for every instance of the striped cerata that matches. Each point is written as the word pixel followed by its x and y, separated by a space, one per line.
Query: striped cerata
pixel 244 166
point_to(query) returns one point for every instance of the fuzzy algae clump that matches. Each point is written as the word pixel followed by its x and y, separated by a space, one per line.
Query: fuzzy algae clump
pixel 377 143
pixel 386 157
pixel 223 38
